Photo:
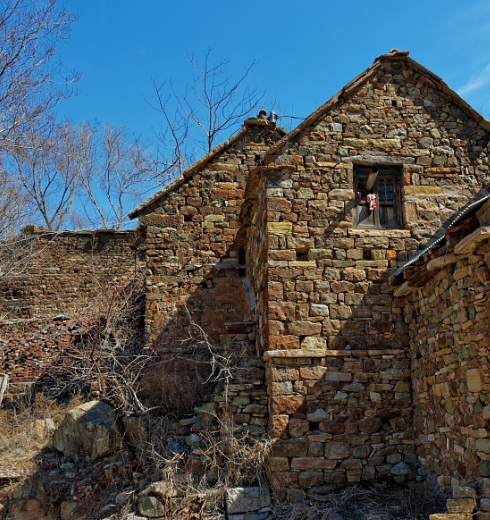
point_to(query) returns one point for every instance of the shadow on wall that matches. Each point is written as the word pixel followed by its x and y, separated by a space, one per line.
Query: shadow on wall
pixel 202 340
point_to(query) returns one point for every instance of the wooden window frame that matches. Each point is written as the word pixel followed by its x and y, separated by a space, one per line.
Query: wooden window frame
pixel 388 213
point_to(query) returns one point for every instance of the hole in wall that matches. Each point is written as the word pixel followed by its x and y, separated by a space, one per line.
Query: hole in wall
pixel 302 253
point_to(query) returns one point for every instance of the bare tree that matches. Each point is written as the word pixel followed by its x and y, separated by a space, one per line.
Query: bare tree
pixel 31 81
pixel 46 165
pixel 114 170
pixel 209 110
pixel 15 209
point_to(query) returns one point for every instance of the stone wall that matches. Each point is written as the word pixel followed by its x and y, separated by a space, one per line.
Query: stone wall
pixel 196 270
pixel 448 320
pixel 336 344
pixel 65 271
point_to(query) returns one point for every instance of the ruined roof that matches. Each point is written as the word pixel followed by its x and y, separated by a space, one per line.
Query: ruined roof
pixel 394 56
pixel 168 188
pixel 460 216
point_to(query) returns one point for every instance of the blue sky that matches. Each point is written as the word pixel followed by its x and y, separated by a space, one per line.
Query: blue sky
pixel 305 51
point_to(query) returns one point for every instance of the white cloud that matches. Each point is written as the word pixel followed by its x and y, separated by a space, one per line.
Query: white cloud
pixel 476 81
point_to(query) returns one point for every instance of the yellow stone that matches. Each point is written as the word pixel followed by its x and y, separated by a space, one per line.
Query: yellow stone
pixel 474 380
pixel 467 325
pixel 279 228
pixel 323 164
pixel 227 185
pixel 279 464
pixel 214 218
pixel 300 263
pixel 421 190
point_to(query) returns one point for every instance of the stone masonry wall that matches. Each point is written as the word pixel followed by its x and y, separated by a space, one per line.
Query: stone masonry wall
pixel 66 270
pixel 336 342
pixel 195 267
pixel 448 320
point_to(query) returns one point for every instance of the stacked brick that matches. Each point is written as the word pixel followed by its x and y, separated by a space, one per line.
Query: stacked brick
pixel 341 418
pixel 31 351
pixel 65 271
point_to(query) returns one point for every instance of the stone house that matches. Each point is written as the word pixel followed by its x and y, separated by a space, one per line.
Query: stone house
pixel 286 245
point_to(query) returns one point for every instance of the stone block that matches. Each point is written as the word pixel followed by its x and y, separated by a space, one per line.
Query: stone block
pixel 310 478
pixel 246 499
pixel 287 404
pixel 421 190
pixel 474 379
pixel 450 516
pixel 337 450
pixel 279 228
pixel 298 427
pixel 279 464
pixel 304 328
pixel 311 463
pixel 461 505
pixel 278 425
pixel 370 425
pixel 316 372
pixel 89 428
pixel 151 506
pixel 290 448
pixel 464 492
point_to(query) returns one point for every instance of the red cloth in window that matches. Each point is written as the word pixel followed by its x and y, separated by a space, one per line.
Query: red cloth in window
pixel 371 199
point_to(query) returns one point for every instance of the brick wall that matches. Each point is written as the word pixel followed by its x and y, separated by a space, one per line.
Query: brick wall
pixel 64 271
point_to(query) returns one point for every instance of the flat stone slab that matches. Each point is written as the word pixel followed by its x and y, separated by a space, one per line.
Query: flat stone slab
pixel 246 500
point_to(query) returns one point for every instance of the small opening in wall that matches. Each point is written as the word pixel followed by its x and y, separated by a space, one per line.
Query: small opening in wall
pixel 302 253
pixel 242 272
pixel 242 256
pixel 394 103
pixel 187 218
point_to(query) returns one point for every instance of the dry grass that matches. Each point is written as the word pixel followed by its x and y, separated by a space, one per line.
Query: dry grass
pixel 27 430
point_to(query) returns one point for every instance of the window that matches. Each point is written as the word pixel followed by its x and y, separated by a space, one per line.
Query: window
pixel 379 205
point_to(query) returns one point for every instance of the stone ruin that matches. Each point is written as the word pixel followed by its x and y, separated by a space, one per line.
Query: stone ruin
pixel 351 257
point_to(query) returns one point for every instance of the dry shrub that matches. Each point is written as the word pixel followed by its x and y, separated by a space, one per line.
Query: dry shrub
pixel 201 473
pixel 191 369
pixel 107 357
pixel 27 430
pixel 210 453
pixel 378 502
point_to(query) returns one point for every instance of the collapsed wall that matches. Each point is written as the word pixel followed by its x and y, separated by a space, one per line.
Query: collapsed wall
pixel 60 285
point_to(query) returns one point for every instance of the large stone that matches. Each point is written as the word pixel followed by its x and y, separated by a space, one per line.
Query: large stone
pixel 246 499
pixel 337 450
pixel 31 509
pixel 89 428
pixel 370 425
pixel 474 380
pixel 67 509
pixel 401 469
pixel 151 506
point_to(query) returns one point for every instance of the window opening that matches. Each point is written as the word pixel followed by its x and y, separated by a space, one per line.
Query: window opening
pixel 378 204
